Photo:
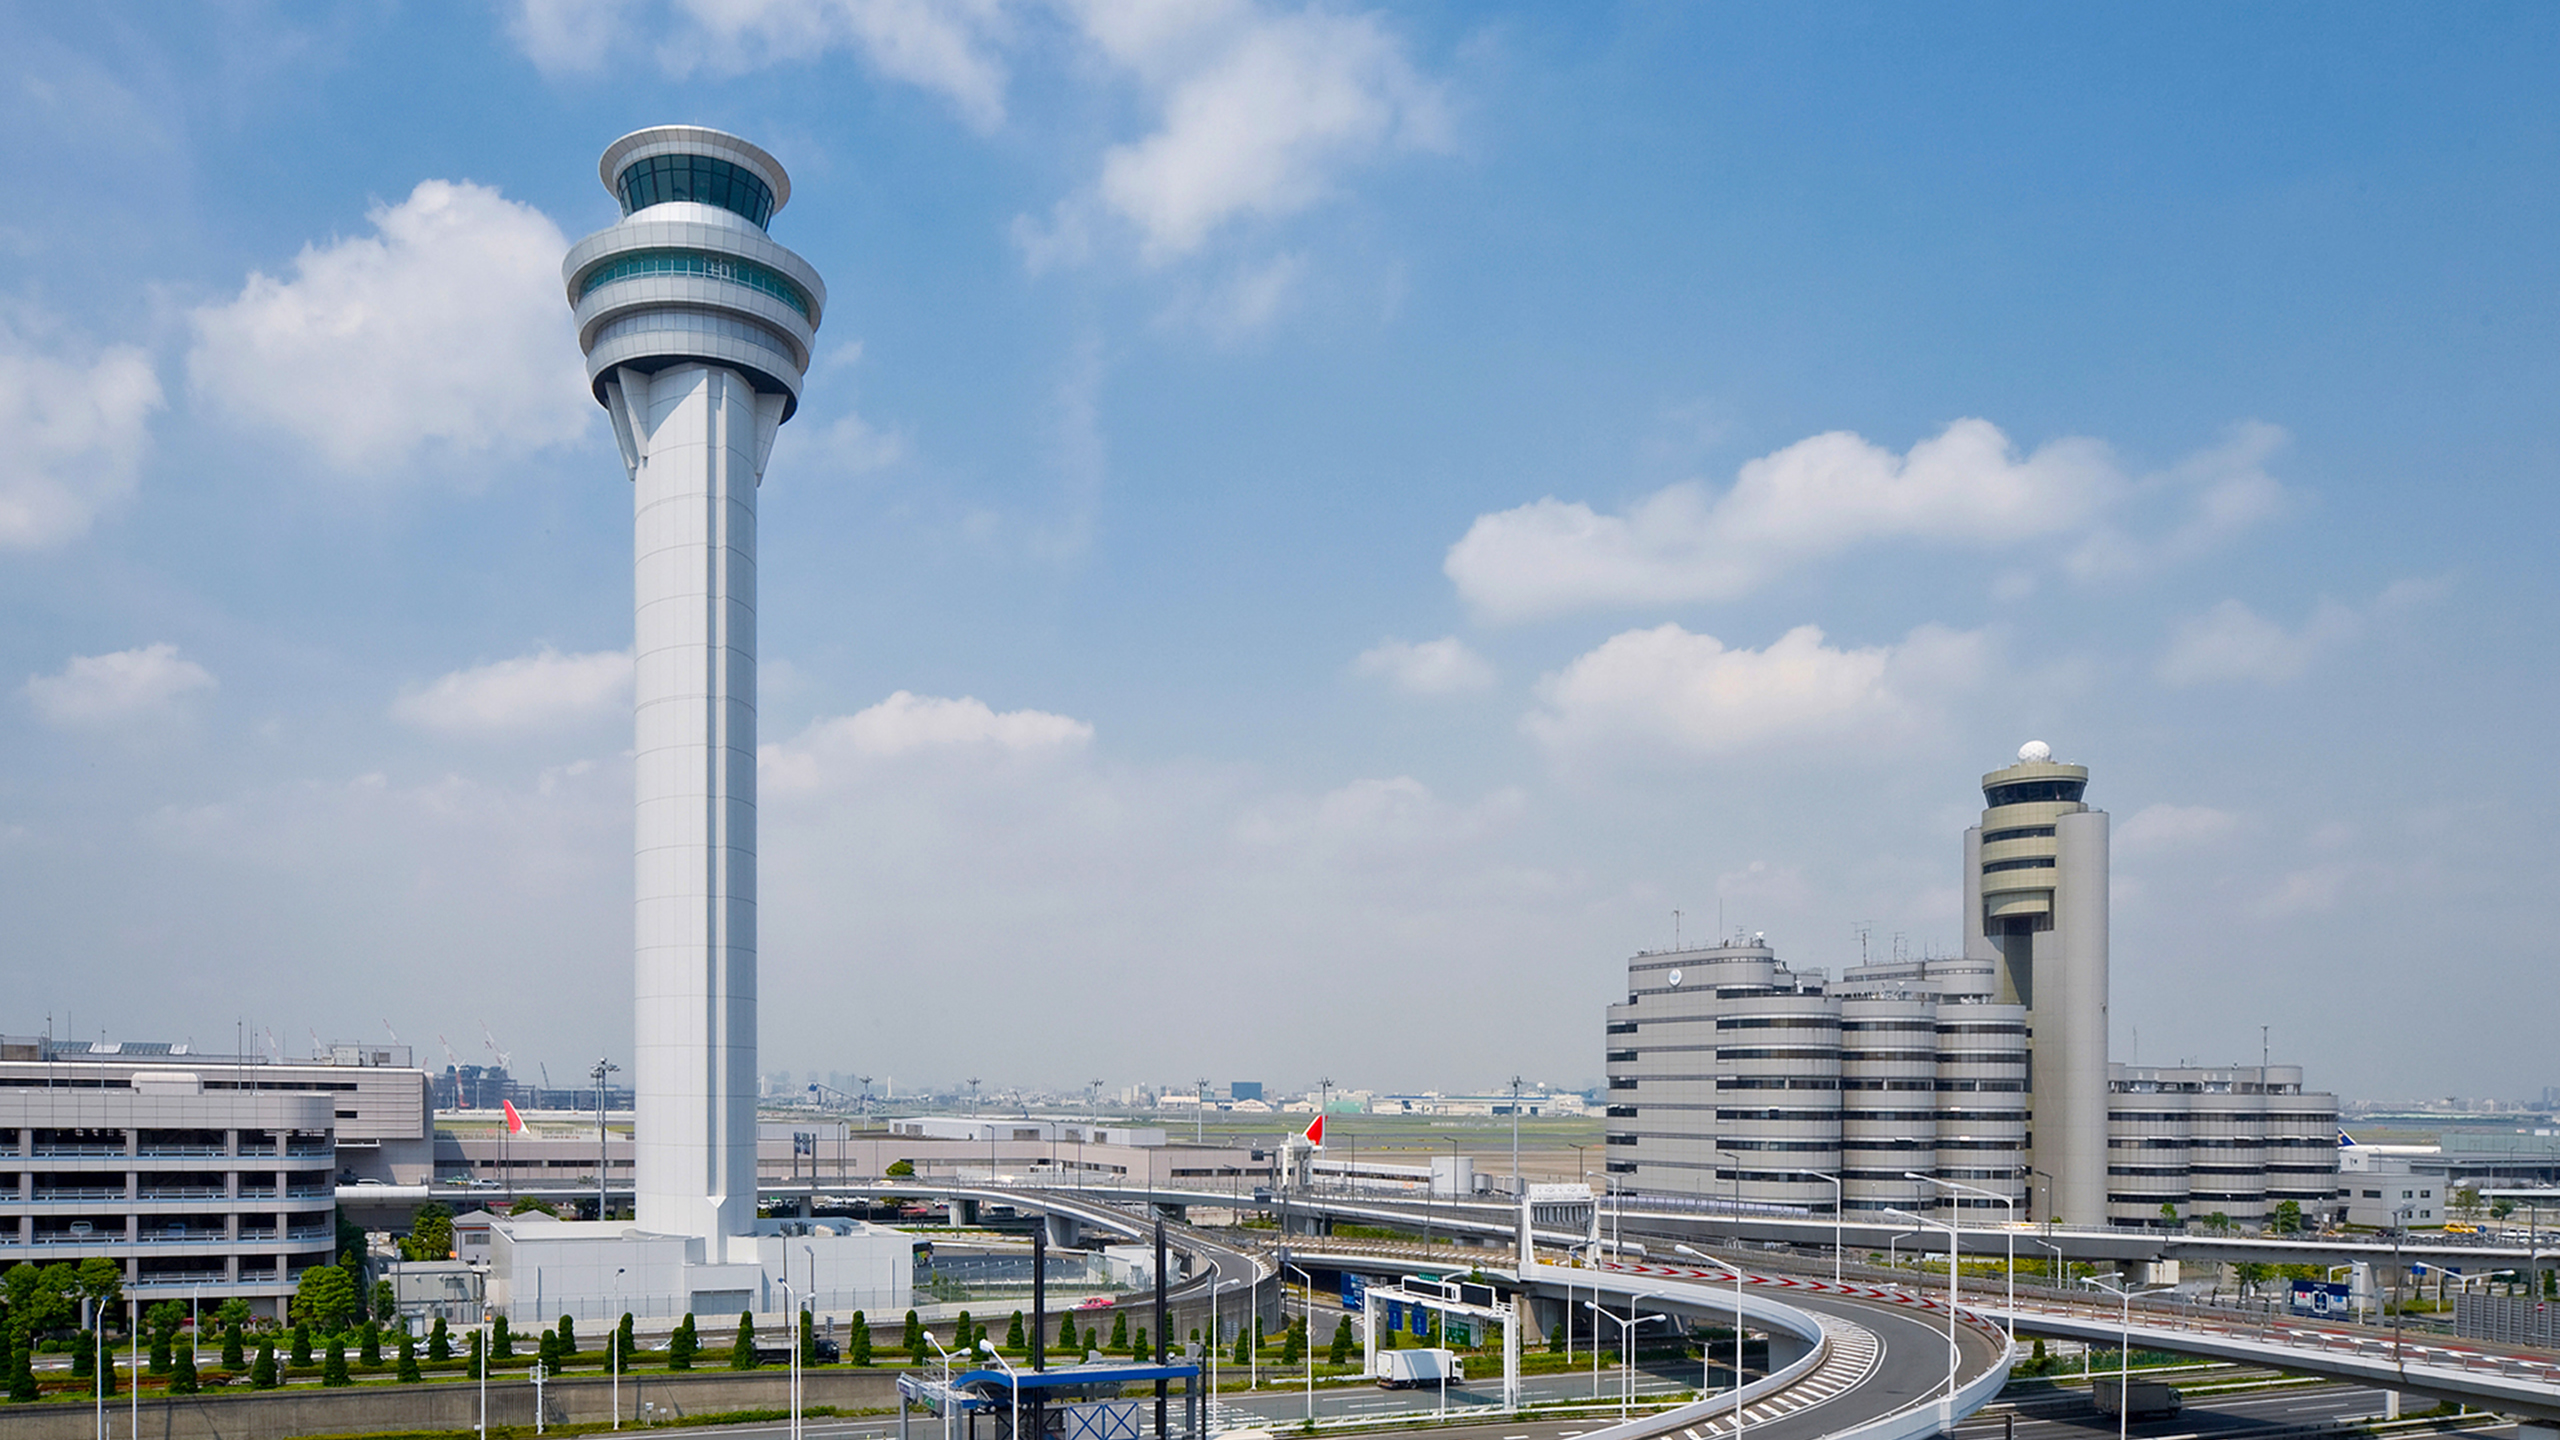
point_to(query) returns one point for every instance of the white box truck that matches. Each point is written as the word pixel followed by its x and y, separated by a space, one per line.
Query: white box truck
pixel 1404 1369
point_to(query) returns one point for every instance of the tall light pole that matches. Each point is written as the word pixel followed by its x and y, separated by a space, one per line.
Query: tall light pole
pixel 617 1353
pixel 1954 1266
pixel 1013 1384
pixel 946 1382
pixel 2399 1301
pixel 1518 1189
pixel 1200 1113
pixel 1737 1335
pixel 791 1304
pixel 1310 1346
pixel 604 1151
pixel 1217 1277
pixel 2007 1227
pixel 1626 1346
pixel 2124 1345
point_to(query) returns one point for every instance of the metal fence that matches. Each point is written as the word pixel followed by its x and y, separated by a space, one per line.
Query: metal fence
pixel 2507 1319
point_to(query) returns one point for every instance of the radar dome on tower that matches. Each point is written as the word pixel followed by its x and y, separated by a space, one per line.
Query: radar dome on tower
pixel 2035 752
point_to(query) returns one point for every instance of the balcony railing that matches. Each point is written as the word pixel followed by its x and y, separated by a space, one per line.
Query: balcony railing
pixel 257 1232
pixel 185 1151
pixel 115 1193
pixel 309 1147
pixel 309 1192
pixel 315 1232
pixel 184 1192
pixel 59 1237
pixel 80 1150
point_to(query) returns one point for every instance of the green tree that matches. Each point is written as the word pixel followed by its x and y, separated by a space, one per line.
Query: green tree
pixel 439 1341
pixel 964 1336
pixel 408 1372
pixel 2168 1215
pixel 386 1301
pixel 808 1338
pixel 22 1372
pixel 915 1339
pixel 1555 1337
pixel 333 1371
pixel 1119 1330
pixel 1138 1345
pixel 857 1348
pixel 568 1338
pixel 477 1366
pixel 742 1351
pixel 1013 1333
pixel 235 1345
pixel 547 1350
pixel 528 1204
pixel 1292 1345
pixel 100 1281
pixel 1067 1334
pixel 302 1343
pixel 2288 1218
pixel 502 1341
pixel 369 1345
pixel 42 1299
pixel 900 1169
pixel 325 1299
pixel 263 1374
pixel 680 1345
pixel 1339 1353
pixel 84 1355
pixel 161 1323
pixel 623 1347
pixel 107 1377
pixel 2251 1274
pixel 1244 1346
pixel 430 1236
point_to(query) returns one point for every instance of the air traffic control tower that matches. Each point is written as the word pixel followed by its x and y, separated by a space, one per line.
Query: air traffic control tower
pixel 697 329
pixel 2035 880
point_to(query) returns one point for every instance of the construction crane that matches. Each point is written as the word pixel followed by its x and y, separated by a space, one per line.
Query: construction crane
pixel 490 1037
pixel 450 1058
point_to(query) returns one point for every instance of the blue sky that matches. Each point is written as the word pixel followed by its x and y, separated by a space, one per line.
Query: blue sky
pixel 1316 529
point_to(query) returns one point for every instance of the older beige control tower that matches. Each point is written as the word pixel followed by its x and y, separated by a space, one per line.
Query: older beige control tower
pixel 2035 882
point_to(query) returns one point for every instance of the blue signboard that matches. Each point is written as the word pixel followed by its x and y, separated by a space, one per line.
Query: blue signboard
pixel 1355 1289
pixel 2314 1297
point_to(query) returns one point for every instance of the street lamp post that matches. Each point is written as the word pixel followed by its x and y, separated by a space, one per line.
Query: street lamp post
pixel 2008 1228
pixel 1013 1383
pixel 1953 1268
pixel 1311 1341
pixel 1626 1346
pixel 791 1305
pixel 2124 1345
pixel 1517 1188
pixel 946 1382
pixel 1737 1334
pixel 616 1346
pixel 2399 1299
pixel 1217 1277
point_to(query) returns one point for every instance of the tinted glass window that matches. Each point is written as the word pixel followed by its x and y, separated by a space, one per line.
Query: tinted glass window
pixel 694 262
pixel 2023 792
pixel 699 178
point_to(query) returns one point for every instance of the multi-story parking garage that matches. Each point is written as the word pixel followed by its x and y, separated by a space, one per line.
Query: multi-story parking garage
pixel 205 1175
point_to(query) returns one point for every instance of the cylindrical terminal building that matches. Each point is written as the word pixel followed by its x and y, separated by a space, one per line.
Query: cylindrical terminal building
pixel 1982 1104
pixel 697 329
pixel 1888 1101
pixel 1778 1092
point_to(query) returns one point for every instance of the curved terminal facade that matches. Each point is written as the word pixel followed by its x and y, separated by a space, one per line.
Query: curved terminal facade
pixel 697 329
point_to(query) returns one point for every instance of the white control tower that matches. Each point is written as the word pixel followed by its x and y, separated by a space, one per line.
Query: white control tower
pixel 697 329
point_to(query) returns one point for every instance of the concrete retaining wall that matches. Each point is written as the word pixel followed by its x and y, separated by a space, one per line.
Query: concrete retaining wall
pixel 439 1405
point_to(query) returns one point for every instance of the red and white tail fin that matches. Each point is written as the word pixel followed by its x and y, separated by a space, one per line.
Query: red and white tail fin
pixel 1315 1133
pixel 515 1122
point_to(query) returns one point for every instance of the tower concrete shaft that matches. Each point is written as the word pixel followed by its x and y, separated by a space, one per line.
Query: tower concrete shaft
pixel 697 330
pixel 2035 877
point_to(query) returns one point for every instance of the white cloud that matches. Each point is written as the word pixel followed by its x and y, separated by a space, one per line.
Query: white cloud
pixel 567 35
pixel 446 325
pixel 2224 491
pixel 1258 115
pixel 1435 667
pixel 1668 690
pixel 2173 827
pixel 119 688
pixel 1967 486
pixel 2232 642
pixel 544 691
pixel 945 46
pixel 77 431
pixel 1814 498
pixel 907 725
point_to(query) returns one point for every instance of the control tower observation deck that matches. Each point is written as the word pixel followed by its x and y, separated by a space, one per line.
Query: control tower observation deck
pixel 697 330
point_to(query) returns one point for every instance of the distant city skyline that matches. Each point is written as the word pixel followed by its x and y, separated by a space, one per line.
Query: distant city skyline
pixel 1317 529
